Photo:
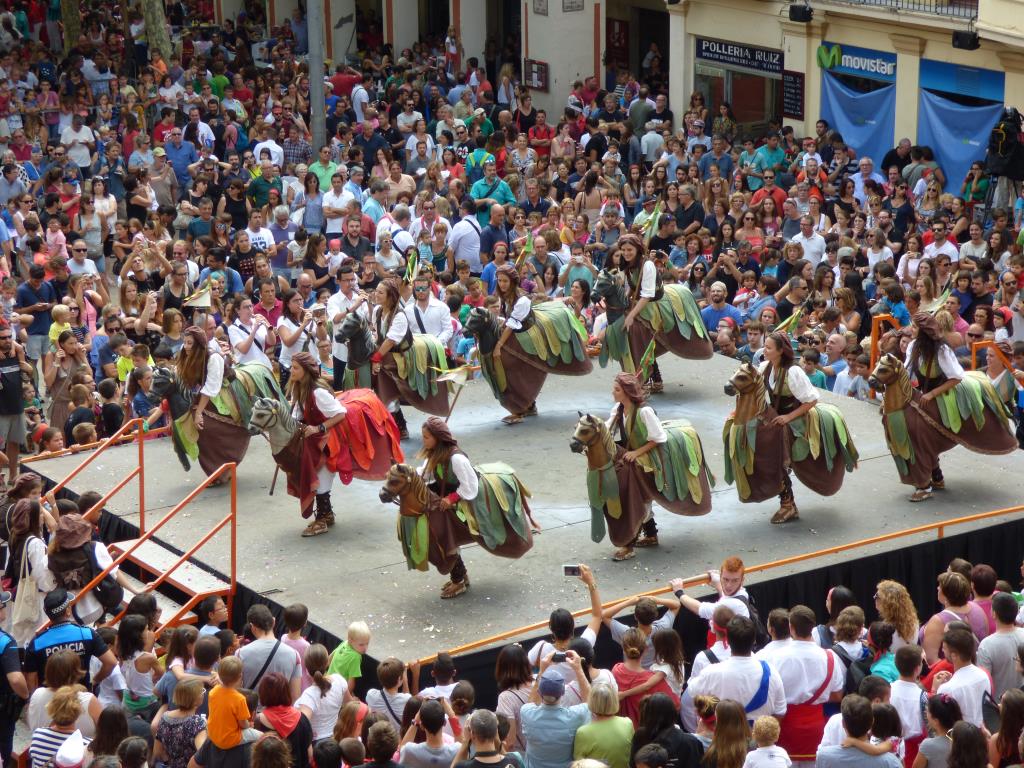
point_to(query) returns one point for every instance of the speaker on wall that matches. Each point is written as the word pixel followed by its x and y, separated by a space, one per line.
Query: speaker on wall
pixel 966 40
pixel 801 13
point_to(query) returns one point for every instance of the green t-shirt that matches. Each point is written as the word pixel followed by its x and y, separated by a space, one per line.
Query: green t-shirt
pixel 260 190
pixel 818 380
pixel 346 661
pixel 217 84
pixel 605 740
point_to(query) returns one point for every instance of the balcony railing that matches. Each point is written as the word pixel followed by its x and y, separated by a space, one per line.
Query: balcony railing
pixel 957 9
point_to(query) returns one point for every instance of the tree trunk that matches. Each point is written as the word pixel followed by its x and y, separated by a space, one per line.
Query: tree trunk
pixel 71 19
pixel 156 28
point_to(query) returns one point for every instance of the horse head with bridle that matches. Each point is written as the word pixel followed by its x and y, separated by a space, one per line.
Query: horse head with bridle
pixel 610 286
pixel 891 377
pixel 404 486
pixel 355 332
pixel 593 438
pixel 485 327
pixel 747 385
pixel 272 418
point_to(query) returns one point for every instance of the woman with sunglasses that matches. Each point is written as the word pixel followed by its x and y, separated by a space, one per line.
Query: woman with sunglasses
pixel 928 205
pixel 750 232
pixel 236 203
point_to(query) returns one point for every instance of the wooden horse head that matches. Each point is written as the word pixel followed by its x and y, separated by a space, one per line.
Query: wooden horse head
pixel 891 377
pixel 748 387
pixel 404 485
pixel 592 437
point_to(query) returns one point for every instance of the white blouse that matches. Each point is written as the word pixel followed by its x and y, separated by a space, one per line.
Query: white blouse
pixel 946 359
pixel 469 483
pixel 325 402
pixel 399 326
pixel 214 375
pixel 520 311
pixel 655 432
pixel 799 385
pixel 648 280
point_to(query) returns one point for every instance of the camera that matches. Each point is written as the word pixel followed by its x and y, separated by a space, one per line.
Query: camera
pixel 571 570
pixel 557 658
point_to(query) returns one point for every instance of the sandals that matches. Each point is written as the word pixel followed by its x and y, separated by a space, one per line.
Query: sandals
pixel 623 553
pixel 315 528
pixel 532 410
pixel 938 485
pixel 787 513
pixel 454 589
pixel 513 418
pixel 646 541
pixel 657 387
pixel 921 494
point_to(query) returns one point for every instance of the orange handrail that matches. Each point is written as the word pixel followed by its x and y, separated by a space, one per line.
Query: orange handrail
pixel 82 447
pixel 138 425
pixel 877 321
pixel 695 581
pixel 145 536
pixel 991 346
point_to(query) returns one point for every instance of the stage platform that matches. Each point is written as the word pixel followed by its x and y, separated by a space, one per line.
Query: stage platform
pixel 357 571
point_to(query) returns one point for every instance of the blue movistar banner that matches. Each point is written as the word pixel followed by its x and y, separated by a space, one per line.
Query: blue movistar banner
pixel 843 59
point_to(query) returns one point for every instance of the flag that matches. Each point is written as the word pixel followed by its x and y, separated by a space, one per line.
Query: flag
pixel 651 225
pixel 412 267
pixel 527 250
pixel 934 306
pixel 791 322
pixel 647 361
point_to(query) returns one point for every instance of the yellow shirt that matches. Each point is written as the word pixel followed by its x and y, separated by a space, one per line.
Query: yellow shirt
pixel 227 707
pixel 125 366
pixel 56 329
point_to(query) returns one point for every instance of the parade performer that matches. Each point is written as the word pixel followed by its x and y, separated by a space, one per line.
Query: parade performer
pixel 524 343
pixel 350 435
pixel 449 503
pixel 405 364
pixel 650 461
pixel 210 401
pixel 640 308
pixel 779 424
pixel 948 407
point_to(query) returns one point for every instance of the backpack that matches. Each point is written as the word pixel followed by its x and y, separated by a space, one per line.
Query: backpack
pixel 856 671
pixel 242 143
pixel 474 167
pixel 108 592
pixel 761 636
pixel 1005 156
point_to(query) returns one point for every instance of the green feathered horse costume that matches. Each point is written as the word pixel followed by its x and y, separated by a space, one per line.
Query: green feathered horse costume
pixel 553 340
pixel 674 475
pixel 673 321
pixel 971 414
pixel 498 519
pixel 225 434
pixel 818 446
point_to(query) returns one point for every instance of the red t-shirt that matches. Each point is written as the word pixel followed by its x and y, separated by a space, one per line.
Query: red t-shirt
pixel 343 84
pixel 160 132
pixel 542 132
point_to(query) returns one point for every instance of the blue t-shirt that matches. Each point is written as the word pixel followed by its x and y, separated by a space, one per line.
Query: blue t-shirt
pixel 550 732
pixel 837 367
pixel 712 316
pixel 27 296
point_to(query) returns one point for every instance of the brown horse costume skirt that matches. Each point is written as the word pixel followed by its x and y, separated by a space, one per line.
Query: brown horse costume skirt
pixel 391 388
pixel 525 375
pixel 220 441
pixel 448 532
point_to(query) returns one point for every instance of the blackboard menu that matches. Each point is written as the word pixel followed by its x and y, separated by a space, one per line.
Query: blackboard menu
pixel 793 94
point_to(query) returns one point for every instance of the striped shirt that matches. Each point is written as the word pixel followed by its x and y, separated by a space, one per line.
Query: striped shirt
pixel 44 746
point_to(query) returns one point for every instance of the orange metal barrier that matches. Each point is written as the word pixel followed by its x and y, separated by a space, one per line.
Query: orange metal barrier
pixel 696 581
pixel 231 518
pixel 877 329
pixel 122 435
pixel 82 447
pixel 990 345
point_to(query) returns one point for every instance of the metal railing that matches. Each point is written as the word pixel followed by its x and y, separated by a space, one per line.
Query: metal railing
pixel 118 438
pixel 231 518
pixel 955 9
pixel 990 345
pixel 702 580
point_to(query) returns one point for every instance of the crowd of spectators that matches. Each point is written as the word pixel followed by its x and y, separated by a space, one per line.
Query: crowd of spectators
pixel 772 687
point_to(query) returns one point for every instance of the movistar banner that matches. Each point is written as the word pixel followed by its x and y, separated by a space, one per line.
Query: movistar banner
pixel 845 59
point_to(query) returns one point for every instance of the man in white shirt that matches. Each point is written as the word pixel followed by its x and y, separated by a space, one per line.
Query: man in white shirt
pixel 268 143
pixel 810 676
pixel 778 630
pixel 336 204
pixel 464 243
pixel 262 239
pixel 204 134
pixel 741 677
pixel 79 141
pixel 343 303
pixel 79 264
pixel 867 173
pixel 729 584
pixel 968 682
pixel 401 240
pixel 997 653
pixel 812 243
pixel 941 244
pixel 873 688
pixel 428 314
pixel 428 221
pixel 716 654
